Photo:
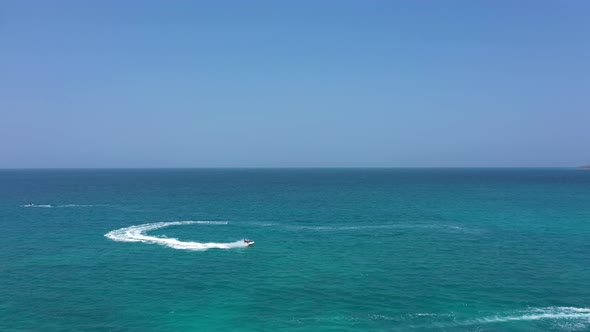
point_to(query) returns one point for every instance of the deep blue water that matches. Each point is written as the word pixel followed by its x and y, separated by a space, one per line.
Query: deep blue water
pixel 336 250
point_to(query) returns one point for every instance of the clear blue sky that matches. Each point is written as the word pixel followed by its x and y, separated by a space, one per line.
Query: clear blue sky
pixel 294 83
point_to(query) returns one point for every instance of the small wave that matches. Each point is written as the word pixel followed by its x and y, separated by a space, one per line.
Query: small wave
pixel 382 317
pixel 138 234
pixel 263 224
pixel 37 205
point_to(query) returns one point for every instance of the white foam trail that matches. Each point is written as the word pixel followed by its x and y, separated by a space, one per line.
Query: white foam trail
pixel 362 227
pixel 56 206
pixel 541 313
pixel 138 234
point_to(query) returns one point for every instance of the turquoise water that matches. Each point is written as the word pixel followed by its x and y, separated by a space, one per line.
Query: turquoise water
pixel 336 250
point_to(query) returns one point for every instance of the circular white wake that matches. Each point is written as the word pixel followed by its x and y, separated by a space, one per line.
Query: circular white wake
pixel 138 234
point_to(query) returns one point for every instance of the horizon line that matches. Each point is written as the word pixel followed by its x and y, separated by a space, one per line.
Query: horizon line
pixel 286 167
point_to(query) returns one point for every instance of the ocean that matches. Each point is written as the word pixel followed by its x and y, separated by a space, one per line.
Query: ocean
pixel 335 250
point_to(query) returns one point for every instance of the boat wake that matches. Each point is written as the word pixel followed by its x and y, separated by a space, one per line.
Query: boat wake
pixel 552 313
pixel 138 234
pixel 558 318
pixel 56 206
pixel 539 319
